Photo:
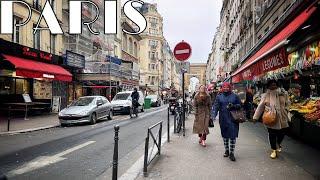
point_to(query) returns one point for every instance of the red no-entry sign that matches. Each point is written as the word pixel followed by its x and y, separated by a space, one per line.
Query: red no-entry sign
pixel 182 51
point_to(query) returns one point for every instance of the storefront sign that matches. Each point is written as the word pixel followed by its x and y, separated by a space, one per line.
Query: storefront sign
pixel 49 76
pixel 17 50
pixel 26 98
pixel 28 52
pixel 276 60
pixel 113 60
pixel 75 60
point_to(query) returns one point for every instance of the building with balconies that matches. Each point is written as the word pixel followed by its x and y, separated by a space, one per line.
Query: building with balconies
pixel 102 52
pixel 151 47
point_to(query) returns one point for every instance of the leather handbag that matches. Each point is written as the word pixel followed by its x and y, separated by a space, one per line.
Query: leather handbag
pixel 238 116
pixel 269 117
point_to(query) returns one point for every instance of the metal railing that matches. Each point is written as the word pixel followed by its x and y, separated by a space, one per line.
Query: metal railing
pixel 149 157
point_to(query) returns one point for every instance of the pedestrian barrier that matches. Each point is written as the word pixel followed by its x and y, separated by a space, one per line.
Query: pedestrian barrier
pixel 115 153
pixel 149 157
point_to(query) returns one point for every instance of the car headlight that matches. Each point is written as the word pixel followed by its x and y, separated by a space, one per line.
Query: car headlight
pixel 84 113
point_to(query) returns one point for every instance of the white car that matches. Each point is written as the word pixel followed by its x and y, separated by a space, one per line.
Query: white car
pixel 122 102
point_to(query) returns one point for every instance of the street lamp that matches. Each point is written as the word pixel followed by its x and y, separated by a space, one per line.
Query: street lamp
pixel 146 90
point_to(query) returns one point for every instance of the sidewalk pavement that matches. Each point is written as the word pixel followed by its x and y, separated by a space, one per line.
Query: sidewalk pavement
pixel 183 158
pixel 18 125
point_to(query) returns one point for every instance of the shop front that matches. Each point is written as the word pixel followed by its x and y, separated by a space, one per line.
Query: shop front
pixel 27 71
pixel 292 57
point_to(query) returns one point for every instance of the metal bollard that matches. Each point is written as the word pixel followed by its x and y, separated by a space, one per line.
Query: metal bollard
pixel 115 153
pixel 175 122
pixel 9 118
pixel 160 136
pixel 168 124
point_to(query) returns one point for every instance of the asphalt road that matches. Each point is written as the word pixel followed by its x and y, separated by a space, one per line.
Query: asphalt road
pixel 77 152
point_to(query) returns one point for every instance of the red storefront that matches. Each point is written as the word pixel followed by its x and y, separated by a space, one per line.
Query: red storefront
pixel 25 70
pixel 273 54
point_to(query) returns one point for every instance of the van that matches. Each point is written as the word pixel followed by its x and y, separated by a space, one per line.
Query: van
pixel 122 102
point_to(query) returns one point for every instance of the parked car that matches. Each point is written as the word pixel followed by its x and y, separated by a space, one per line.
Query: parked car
pixel 87 109
pixel 122 102
pixel 155 100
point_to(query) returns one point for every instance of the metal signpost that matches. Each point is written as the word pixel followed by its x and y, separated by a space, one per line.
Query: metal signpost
pixel 182 52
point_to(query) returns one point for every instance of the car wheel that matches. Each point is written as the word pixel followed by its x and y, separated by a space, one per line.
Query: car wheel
pixel 93 119
pixel 142 109
pixel 110 116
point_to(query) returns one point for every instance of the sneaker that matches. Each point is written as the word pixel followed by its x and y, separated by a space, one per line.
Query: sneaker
pixel 203 143
pixel 231 157
pixel 279 150
pixel 226 154
pixel 273 154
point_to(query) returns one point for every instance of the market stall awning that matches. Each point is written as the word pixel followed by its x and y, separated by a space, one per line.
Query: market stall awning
pixel 33 69
pixel 278 41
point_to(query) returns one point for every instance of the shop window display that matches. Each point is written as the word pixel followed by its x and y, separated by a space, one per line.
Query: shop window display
pixel 7 86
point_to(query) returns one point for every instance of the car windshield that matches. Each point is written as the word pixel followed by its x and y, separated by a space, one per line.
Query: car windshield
pixel 152 97
pixel 122 96
pixel 83 101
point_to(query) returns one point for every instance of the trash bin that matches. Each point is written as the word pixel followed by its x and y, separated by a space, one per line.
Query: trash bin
pixel 147 103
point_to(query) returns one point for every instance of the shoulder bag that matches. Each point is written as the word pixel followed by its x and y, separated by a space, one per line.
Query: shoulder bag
pixel 269 116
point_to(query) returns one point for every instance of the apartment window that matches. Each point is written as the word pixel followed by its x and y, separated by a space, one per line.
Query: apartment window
pixel 125 43
pixel 37 39
pixel 36 4
pixel 153 31
pixel 135 49
pixel 153 55
pixel 53 44
pixel 16 30
pixel 266 30
pixel 275 20
pixel 153 43
pixel 130 46
pixel 53 5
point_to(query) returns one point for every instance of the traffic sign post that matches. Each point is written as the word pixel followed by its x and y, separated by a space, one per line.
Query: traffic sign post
pixel 182 52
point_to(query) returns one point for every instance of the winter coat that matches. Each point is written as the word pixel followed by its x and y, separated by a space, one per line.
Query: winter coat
pixel 202 106
pixel 229 128
pixel 279 100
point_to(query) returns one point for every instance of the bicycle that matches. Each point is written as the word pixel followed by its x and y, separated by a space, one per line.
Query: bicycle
pixel 178 118
pixel 134 109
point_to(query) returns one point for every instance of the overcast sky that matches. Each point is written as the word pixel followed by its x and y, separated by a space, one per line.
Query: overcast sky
pixel 192 21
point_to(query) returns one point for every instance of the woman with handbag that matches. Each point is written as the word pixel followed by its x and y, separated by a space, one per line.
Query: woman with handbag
pixel 274 111
pixel 226 102
pixel 202 104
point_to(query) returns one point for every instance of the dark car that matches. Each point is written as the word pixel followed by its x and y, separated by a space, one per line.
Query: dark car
pixel 155 100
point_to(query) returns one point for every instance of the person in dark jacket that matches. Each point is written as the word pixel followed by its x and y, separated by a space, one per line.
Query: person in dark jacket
pixel 248 103
pixel 224 103
pixel 135 98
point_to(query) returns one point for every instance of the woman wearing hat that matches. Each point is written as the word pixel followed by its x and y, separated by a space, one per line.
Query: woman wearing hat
pixel 224 103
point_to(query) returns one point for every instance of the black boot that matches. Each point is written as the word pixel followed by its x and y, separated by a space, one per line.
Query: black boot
pixel 226 154
pixel 231 157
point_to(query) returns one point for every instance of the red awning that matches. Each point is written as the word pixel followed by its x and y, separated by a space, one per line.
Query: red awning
pixel 276 42
pixel 33 69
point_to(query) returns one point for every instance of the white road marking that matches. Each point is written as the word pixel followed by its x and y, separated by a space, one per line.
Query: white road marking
pixel 45 160
pixel 183 51
pixel 135 169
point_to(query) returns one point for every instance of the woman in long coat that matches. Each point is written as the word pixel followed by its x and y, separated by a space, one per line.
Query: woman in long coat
pixel 202 104
pixel 224 103
pixel 277 100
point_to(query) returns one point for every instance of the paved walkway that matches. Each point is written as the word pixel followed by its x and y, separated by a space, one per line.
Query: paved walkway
pixel 183 158
pixel 33 123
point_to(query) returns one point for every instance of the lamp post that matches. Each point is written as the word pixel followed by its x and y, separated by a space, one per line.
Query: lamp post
pixel 146 89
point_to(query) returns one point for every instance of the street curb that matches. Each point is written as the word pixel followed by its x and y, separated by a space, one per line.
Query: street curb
pixel 58 125
pixel 28 130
